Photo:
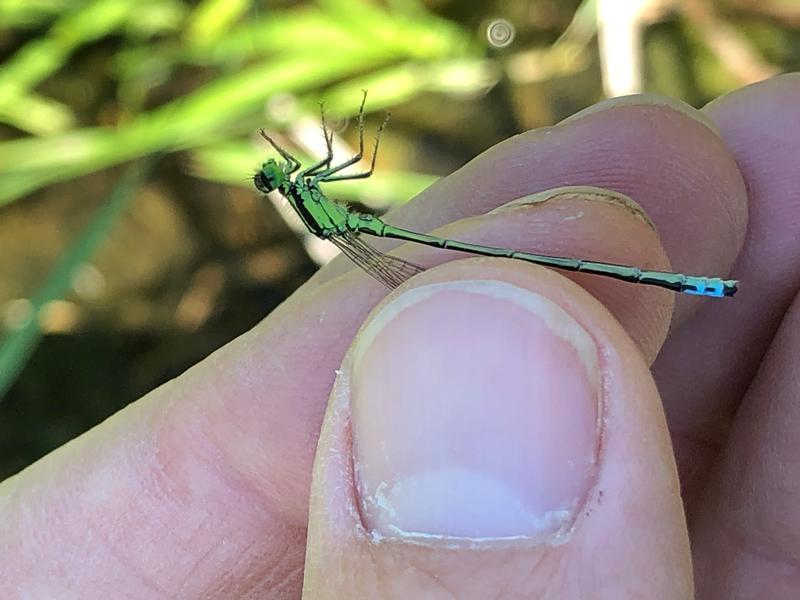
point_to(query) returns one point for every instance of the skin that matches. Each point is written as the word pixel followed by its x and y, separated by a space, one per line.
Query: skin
pixel 203 488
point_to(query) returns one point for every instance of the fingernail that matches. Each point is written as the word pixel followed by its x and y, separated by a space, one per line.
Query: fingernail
pixel 644 100
pixel 582 193
pixel 475 415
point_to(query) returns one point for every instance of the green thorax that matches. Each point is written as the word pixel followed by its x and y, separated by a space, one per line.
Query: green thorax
pixel 322 216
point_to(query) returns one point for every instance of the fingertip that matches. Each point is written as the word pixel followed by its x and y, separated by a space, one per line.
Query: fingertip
pixel 761 125
pixel 761 119
pixel 641 100
pixel 782 88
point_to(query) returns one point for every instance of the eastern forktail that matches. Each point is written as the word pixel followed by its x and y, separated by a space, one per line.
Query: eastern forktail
pixel 336 223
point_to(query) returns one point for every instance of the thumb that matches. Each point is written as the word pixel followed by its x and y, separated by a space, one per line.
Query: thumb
pixel 494 433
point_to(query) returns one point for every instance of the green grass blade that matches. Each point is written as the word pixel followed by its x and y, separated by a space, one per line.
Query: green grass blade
pixel 212 19
pixel 43 56
pixel 19 344
pixel 30 13
pixel 221 107
pixel 38 115
pixel 29 164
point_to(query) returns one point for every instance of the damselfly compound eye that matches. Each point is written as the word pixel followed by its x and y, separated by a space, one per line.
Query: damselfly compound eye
pixel 262 183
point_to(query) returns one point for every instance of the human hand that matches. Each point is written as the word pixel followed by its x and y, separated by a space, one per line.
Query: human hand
pixel 507 434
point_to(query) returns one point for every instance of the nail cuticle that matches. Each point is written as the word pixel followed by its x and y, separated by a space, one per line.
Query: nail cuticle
pixel 579 193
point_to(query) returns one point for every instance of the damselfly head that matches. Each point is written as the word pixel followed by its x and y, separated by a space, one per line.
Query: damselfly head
pixel 269 177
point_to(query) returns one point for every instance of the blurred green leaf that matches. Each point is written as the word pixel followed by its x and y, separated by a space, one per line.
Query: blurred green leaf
pixel 368 39
pixel 395 85
pixel 155 17
pixel 31 13
pixel 41 57
pixel 30 163
pixel 19 344
pixel 299 31
pixel 38 115
pixel 212 19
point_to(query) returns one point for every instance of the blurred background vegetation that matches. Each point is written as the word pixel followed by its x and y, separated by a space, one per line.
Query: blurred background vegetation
pixel 131 241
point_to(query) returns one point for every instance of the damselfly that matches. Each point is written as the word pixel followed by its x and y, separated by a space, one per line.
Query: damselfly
pixel 344 227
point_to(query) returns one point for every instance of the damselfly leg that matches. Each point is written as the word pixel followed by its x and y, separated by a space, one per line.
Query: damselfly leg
pixel 325 163
pixel 293 163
